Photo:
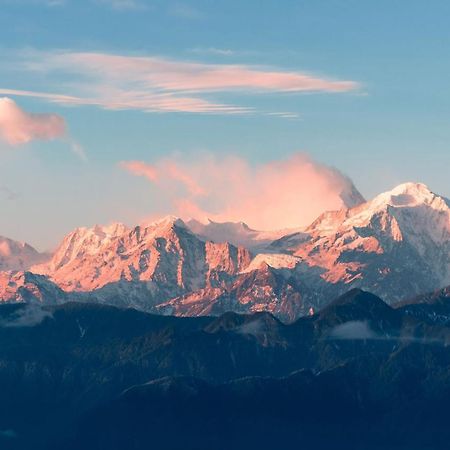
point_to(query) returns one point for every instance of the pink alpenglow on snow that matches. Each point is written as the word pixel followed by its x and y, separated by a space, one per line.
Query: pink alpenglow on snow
pixel 18 127
pixel 279 194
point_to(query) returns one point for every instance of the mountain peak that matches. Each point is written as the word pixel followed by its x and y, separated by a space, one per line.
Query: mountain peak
pixel 231 225
pixel 356 304
pixel 410 195
pixel 236 233
pixel 16 255
pixel 411 186
pixel 167 221
pixel 101 231
pixel 351 197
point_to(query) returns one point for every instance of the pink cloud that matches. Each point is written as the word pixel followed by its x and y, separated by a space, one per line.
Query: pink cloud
pixel 188 76
pixel 166 170
pixel 279 194
pixel 155 84
pixel 140 169
pixel 19 127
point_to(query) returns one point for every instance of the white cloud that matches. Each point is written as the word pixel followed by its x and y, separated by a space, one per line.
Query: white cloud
pixel 213 51
pixel 122 5
pixel 27 316
pixel 353 330
pixel 185 11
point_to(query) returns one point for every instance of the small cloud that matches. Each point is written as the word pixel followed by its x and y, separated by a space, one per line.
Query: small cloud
pixel 185 11
pixel 52 3
pixel 122 5
pixel 49 3
pixel 18 127
pixel 8 193
pixel 353 330
pixel 213 51
pixel 78 150
pixel 140 169
pixel 28 316
pixel 254 328
pixel 9 434
pixel 285 115
pixel 167 170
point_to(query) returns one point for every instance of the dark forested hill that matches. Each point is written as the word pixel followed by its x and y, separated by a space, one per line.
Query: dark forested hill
pixel 97 377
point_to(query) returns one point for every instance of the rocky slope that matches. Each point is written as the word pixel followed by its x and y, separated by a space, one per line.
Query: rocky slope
pixel 396 245
pixel 279 292
pixel 143 265
pixel 29 287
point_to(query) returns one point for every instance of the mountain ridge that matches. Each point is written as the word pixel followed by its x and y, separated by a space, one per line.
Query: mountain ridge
pixel 396 245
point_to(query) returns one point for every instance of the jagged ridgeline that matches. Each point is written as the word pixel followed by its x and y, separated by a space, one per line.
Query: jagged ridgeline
pixel 396 246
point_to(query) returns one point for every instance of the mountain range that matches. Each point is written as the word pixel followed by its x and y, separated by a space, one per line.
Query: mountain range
pixel 357 374
pixel 396 245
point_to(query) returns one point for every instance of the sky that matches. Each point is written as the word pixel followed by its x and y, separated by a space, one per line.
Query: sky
pixel 262 111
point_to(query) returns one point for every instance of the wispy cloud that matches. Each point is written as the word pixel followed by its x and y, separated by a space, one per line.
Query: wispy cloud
pixel 361 330
pixel 185 11
pixel 354 329
pixel 119 5
pixel 10 434
pixel 8 193
pixel 155 84
pixel 123 5
pixel 28 316
pixel 166 170
pixel 279 194
pixel 212 51
pixel 49 3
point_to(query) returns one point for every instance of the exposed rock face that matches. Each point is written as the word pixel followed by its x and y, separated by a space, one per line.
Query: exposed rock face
pixel 29 287
pixel 263 289
pixel 162 260
pixel 396 245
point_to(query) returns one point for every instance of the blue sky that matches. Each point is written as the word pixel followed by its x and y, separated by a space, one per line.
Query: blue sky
pixel 388 125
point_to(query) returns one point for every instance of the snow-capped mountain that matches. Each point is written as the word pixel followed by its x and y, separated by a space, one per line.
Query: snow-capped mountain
pixel 240 234
pixel 18 255
pixel 280 292
pixel 396 245
pixel 29 287
pixel 158 261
